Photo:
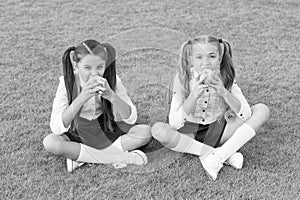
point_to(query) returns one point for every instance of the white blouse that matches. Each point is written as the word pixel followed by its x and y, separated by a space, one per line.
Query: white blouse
pixel 177 116
pixel 90 110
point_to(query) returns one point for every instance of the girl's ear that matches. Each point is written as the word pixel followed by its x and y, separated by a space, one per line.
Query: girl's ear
pixel 74 64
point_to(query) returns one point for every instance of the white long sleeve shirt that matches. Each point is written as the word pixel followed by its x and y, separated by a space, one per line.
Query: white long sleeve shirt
pixel 177 116
pixel 90 110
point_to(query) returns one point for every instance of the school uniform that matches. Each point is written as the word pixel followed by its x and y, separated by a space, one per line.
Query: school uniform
pixel 88 125
pixel 207 119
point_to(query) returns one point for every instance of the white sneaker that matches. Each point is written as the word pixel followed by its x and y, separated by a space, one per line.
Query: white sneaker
pixel 236 160
pixel 135 157
pixel 212 165
pixel 140 158
pixel 72 165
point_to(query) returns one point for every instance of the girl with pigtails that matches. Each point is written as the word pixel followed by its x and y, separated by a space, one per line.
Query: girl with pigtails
pixel 93 119
pixel 209 116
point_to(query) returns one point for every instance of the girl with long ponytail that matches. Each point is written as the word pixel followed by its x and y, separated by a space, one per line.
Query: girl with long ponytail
pixel 93 119
pixel 209 116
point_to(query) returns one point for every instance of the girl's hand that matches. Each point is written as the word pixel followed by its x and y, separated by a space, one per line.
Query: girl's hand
pixel 89 90
pixel 217 84
pixel 104 89
pixel 198 87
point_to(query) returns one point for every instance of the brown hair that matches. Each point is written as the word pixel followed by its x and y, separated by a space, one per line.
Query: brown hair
pixel 107 53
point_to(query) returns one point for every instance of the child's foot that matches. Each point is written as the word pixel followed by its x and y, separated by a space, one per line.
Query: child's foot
pixel 135 157
pixel 236 160
pixel 212 164
pixel 72 165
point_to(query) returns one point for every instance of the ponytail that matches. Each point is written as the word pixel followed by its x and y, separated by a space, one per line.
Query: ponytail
pixel 68 73
pixel 226 67
pixel 184 66
pixel 110 76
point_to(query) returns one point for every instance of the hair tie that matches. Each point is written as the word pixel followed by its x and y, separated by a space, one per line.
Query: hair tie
pixel 222 45
pixel 104 47
pixel 71 48
pixel 189 42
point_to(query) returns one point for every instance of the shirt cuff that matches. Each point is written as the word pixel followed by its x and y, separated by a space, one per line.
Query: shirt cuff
pixel 133 116
pixel 178 118
pixel 244 112
pixel 58 127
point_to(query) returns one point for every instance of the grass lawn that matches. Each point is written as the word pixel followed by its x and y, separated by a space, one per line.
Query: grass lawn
pixel 147 35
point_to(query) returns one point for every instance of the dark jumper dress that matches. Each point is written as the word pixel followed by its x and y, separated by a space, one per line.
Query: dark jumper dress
pixel 92 132
pixel 209 134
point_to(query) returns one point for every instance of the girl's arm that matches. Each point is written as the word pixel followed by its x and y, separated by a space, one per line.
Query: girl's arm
pixel 123 108
pixel 60 104
pixel 63 114
pixel 181 108
pixel 177 114
pixel 189 104
pixel 70 112
pixel 245 111
pixel 88 90
pixel 232 101
pixel 234 98
pixel 122 104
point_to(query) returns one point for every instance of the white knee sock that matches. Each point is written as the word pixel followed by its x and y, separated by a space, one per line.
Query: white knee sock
pixel 115 147
pixel 91 155
pixel 240 137
pixel 187 144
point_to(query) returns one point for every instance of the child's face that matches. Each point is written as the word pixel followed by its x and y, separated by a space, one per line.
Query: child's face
pixel 91 66
pixel 205 56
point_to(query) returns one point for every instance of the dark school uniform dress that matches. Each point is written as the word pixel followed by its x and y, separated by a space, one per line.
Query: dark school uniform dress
pixel 207 120
pixel 88 125
pixel 92 132
pixel 209 134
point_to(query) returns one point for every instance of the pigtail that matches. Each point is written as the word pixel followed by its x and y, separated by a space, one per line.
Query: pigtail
pixel 110 76
pixel 184 67
pixel 226 67
pixel 68 72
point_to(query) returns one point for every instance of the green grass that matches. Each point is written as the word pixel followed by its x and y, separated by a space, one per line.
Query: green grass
pixel 147 34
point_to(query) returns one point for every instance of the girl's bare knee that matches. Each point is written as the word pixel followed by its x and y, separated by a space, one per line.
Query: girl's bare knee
pixel 260 114
pixel 157 128
pixel 53 144
pixel 266 110
pixel 145 130
pixel 262 110
pixel 144 133
pixel 161 132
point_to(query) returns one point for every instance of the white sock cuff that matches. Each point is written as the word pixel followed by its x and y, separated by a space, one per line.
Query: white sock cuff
pixel 248 128
pixel 118 144
pixel 184 143
pixel 80 153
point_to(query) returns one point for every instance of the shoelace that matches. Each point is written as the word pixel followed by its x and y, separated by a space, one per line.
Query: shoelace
pixel 119 165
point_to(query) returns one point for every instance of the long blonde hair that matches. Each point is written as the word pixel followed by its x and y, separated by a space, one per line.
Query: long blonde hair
pixel 226 66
